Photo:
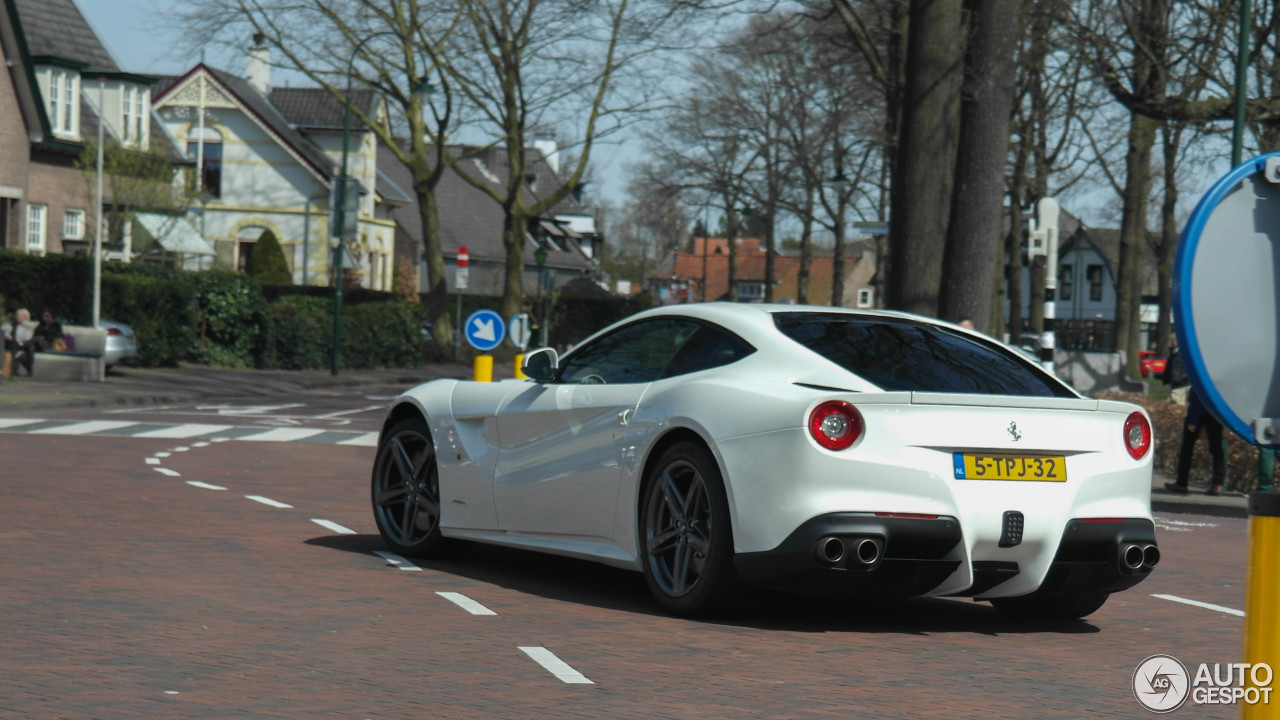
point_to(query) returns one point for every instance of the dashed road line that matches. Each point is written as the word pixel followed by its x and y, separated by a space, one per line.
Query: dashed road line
pixel 153 461
pixel 204 485
pixel 556 666
pixel 1197 603
pixel 269 501
pixel 341 530
pixel 396 561
pixel 183 431
pixel 466 603
pixel 167 471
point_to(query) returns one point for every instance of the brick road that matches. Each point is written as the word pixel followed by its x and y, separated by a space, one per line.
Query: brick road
pixel 128 593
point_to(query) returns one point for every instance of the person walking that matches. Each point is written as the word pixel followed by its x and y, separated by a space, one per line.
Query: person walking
pixel 1198 419
pixel 1175 375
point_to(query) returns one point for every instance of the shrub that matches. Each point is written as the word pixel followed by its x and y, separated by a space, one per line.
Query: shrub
pixel 162 313
pixel 267 264
pixel 303 336
pixel 234 324
pixel 383 334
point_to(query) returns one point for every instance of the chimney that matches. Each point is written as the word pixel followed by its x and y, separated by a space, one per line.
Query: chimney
pixel 549 151
pixel 258 72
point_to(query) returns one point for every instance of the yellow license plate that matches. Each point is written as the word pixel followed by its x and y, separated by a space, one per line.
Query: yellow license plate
pixel 1040 468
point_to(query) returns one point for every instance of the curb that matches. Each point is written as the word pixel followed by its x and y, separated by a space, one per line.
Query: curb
pixel 1195 507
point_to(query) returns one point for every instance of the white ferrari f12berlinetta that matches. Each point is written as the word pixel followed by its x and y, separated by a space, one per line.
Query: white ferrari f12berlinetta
pixel 720 446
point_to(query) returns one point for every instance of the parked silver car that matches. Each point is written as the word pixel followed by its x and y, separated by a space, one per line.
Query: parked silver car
pixel 122 344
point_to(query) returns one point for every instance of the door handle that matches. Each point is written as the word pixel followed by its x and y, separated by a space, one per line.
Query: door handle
pixel 624 417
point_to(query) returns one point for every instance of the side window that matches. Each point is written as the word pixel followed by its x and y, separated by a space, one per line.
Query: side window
pixel 634 354
pixel 708 348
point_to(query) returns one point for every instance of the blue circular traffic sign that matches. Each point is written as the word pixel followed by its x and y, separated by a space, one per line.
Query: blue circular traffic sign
pixel 1226 292
pixel 485 330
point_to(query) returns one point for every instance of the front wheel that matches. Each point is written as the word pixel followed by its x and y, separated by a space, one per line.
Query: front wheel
pixel 406 491
pixel 687 542
pixel 1056 607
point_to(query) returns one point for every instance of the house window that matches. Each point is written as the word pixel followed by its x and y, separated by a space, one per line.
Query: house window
pixel 749 291
pixel 1094 275
pixel 211 167
pixel 36 215
pixel 63 89
pixel 73 225
pixel 1065 276
pixel 135 116
pixel 865 298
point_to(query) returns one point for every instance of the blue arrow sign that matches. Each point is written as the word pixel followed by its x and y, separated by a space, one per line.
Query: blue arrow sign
pixel 485 330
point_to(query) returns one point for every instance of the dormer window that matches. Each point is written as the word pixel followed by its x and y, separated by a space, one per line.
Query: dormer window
pixel 64 111
pixel 135 115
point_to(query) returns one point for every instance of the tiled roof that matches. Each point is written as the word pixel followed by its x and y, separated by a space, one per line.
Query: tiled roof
pixel 750 267
pixel 56 28
pixel 317 108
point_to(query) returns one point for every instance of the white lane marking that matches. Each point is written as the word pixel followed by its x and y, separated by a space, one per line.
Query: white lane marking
pixel 183 431
pixel 181 448
pixel 248 409
pixel 162 454
pixel 1181 525
pixel 396 561
pixel 365 440
pixel 1197 603
pixel 15 422
pixel 204 485
pixel 218 440
pixel 269 501
pixel 199 444
pixel 84 428
pixel 153 461
pixel 167 471
pixel 466 603
pixel 282 435
pixel 556 666
pixel 340 413
pixel 333 526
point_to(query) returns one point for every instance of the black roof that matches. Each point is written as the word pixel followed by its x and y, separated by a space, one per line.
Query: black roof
pixel 314 107
pixel 57 29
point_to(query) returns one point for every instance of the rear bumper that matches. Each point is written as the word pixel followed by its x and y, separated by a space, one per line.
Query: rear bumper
pixel 917 556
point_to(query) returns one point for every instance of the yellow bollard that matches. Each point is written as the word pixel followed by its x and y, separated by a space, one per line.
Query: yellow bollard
pixel 1262 596
pixel 484 368
pixel 519 364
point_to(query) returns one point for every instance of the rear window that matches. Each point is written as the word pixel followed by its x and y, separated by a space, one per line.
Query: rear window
pixel 903 355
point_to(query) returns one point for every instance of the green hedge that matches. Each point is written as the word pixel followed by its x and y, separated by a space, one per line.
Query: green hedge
pixel 162 313
pixel 377 334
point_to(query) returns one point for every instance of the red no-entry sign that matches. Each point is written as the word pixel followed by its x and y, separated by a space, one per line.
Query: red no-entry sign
pixel 463 256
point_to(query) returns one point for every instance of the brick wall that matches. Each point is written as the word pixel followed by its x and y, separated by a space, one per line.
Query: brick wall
pixel 13 155
pixel 56 183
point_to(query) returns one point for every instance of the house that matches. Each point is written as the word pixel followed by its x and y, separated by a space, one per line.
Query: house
pixel 703 275
pixel 470 218
pixel 268 159
pixel 63 87
pixel 1085 303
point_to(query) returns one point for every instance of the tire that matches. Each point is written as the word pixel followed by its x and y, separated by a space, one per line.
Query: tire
pixel 686 541
pixel 1055 607
pixel 406 491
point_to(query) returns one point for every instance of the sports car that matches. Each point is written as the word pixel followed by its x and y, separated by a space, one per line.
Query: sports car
pixel 715 447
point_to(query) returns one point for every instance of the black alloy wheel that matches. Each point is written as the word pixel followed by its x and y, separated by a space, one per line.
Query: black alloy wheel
pixel 406 490
pixel 687 543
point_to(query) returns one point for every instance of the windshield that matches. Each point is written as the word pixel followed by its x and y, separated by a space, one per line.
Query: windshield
pixel 902 354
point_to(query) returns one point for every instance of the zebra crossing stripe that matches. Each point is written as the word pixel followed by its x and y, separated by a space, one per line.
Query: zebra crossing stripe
pixel 84 428
pixel 188 430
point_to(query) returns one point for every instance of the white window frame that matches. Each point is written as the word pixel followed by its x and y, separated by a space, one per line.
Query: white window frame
pixel 73 224
pixel 866 296
pixel 141 102
pixel 37 228
pixel 750 290
pixel 64 111
pixel 134 115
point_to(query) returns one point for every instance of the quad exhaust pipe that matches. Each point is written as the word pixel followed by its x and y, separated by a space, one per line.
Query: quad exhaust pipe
pixel 1135 557
pixel 855 552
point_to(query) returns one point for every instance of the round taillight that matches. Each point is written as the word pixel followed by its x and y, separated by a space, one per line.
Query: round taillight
pixel 835 424
pixel 1137 435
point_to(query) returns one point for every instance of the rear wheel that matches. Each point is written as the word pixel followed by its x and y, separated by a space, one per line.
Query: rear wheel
pixel 1057 607
pixel 687 542
pixel 406 491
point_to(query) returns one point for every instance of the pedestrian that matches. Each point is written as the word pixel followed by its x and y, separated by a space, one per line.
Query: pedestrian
pixel 1175 375
pixel 48 334
pixel 1198 419
pixel 20 340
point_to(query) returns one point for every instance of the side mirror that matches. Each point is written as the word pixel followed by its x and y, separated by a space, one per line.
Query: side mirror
pixel 541 364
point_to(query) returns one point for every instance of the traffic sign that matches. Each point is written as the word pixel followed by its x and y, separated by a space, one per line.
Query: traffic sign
pixel 520 329
pixel 1226 291
pixel 464 257
pixel 485 330
pixel 460 277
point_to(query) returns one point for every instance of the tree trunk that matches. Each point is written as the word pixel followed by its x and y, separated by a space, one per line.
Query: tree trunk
pixel 514 230
pixel 923 173
pixel 973 233
pixel 1168 237
pixel 437 293
pixel 1133 233
pixel 837 256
